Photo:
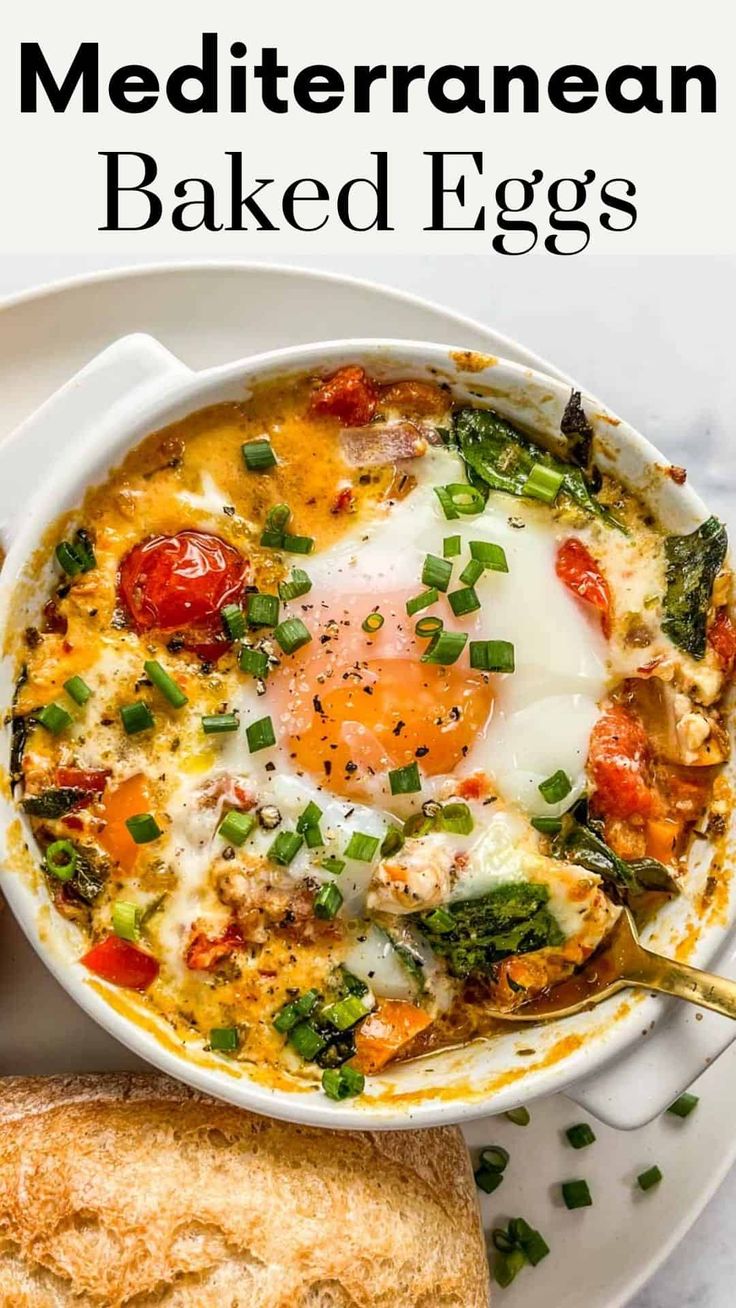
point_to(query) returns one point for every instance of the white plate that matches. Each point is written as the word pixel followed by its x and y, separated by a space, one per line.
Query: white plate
pixel 207 314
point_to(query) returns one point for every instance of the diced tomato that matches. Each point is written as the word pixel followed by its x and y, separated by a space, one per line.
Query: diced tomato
pixel 182 582
pixel 722 638
pixel 204 952
pixel 619 764
pixel 385 1032
pixel 94 779
pixel 577 568
pixel 348 395
pixel 122 964
pixel 344 501
pixel 476 786
pixel 125 801
pixel 664 835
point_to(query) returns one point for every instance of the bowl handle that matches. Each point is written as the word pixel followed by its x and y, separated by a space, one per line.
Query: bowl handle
pixel 133 367
pixel 683 1043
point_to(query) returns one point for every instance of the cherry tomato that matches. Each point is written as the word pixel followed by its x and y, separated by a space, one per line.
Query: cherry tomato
pixel 181 582
pixel 93 779
pixel 121 964
pixel 578 569
pixel 722 638
pixel 620 766
pixel 349 395
pixel 204 952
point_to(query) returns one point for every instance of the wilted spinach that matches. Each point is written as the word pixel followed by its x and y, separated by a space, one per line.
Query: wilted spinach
pixel 693 562
pixel 498 455
pixel 582 843
pixel 474 934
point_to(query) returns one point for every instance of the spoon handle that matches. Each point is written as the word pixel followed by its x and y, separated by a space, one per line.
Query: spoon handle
pixel 654 972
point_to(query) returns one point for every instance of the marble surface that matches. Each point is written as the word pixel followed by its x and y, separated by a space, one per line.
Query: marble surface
pixel 654 338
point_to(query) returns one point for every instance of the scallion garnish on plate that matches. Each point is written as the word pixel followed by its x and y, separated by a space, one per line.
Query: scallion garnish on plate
pixel 169 688
pixel 143 828
pixel 78 690
pixel 555 788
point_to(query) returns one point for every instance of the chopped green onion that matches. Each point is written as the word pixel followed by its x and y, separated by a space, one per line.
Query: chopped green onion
pixel 68 559
pixel 490 555
pixel 683 1106
pixel 492 655
pixel 307 1042
pixel 428 626
pixel 258 455
pixel 548 826
pixel 422 601
pixel 345 1012
pixel 217 724
pixel 277 517
pixel 309 818
pixel 292 634
pixel 78 690
pixel 260 735
pixel 445 648
pixel 440 920
pixel 298 544
pixel 451 547
pixel 236 827
pixel 486 1180
pixel 460 498
pixel 166 684
pixel 284 848
pixel 456 817
pixel 327 901
pixel 313 837
pixel 298 584
pixel 143 828
pixel 362 847
pixel 418 825
pixel 646 1180
pixel 342 1082
pixel 61 859
pixel 288 1016
pixel 263 610
pixel 126 920
pixel 272 540
pixel 519 1116
pixel 576 1194
pixel 78 556
pixel 225 1039
pixel 136 717
pixel 555 788
pixel 508 1266
pixel 392 842
pixel 502 1241
pixel 372 623
pixel 436 572
pixel 580 1136
pixel 531 1242
pixel 333 865
pixel 254 661
pixel 233 620
pixel 494 1157
pixel 405 781
pixel 543 483
pixel 471 573
pixel 463 601
pixel 54 718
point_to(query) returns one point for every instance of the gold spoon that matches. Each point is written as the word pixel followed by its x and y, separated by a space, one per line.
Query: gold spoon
pixel 623 961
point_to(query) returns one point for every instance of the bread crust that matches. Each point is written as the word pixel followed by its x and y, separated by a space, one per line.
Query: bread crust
pixel 132 1189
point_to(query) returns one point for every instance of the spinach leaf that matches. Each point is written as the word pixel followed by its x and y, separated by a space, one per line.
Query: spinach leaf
pixel 90 874
pixel 580 843
pixel 477 933
pixel 55 802
pixel 693 563
pixel 500 456
pixel 576 427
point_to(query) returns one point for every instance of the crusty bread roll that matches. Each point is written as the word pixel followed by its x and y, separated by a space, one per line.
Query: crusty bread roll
pixel 134 1190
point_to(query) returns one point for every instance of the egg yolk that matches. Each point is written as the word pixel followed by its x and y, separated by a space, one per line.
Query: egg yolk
pixel 359 705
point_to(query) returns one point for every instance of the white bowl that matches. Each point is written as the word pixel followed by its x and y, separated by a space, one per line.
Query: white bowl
pixel 136 386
